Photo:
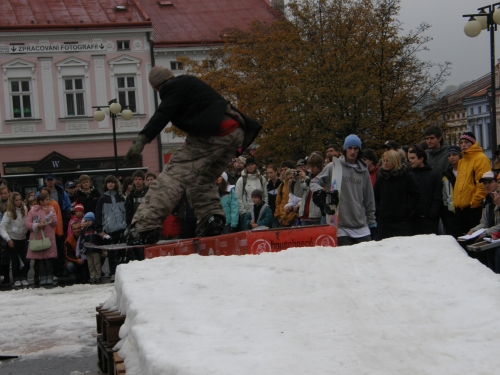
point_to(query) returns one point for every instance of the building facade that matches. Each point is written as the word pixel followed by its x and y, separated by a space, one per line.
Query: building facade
pixel 60 60
pixel 54 72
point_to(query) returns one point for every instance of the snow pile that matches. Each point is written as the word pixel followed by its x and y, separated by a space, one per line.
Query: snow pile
pixel 400 306
pixel 56 322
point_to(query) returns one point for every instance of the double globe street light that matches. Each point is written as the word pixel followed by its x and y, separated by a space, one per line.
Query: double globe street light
pixel 112 110
pixel 487 18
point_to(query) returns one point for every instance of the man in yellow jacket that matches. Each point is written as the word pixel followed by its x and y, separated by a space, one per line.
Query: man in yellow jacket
pixel 469 193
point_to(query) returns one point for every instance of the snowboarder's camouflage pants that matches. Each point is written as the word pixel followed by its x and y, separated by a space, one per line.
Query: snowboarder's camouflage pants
pixel 193 169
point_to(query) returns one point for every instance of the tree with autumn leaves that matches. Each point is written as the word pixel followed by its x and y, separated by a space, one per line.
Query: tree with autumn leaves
pixel 328 69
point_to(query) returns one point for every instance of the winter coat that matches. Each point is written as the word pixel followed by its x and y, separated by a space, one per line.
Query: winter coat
pixel 468 191
pixel 62 200
pixel 430 189
pixel 449 180
pixel 171 227
pixel 490 219
pixel 58 230
pixel 110 215
pixel 293 200
pixel 357 204
pixel 197 109
pixel 314 211
pixel 231 209
pixel 134 199
pixel 13 229
pixel 88 200
pixel 437 159
pixel 37 215
pixel 70 250
pixel 244 191
pixel 90 237
pixel 265 218
pixel 373 175
pixel 396 196
pixel 289 218
pixel 272 190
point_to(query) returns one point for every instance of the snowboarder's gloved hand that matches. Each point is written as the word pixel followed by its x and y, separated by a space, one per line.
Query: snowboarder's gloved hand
pixel 319 198
pixel 134 152
pixel 372 225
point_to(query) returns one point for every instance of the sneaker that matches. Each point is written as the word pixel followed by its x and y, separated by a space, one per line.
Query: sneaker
pixel 25 283
pixel 55 278
pixel 149 237
pixel 17 284
pixel 112 278
pixel 213 227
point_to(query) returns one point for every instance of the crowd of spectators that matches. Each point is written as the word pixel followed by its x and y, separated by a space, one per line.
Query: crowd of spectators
pixel 426 188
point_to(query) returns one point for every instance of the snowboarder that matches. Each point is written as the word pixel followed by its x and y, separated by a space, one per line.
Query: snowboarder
pixel 216 132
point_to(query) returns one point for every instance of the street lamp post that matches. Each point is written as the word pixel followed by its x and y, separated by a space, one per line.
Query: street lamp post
pixel 487 18
pixel 114 109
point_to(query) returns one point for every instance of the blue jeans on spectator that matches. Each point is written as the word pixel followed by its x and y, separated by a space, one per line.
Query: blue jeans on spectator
pixel 80 271
pixel 275 223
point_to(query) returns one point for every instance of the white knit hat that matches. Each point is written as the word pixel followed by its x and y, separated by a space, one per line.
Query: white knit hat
pixel 159 74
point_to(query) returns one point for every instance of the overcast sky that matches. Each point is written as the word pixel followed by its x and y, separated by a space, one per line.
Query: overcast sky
pixel 470 57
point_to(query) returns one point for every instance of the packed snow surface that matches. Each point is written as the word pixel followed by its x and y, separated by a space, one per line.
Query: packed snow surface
pixel 46 323
pixel 415 305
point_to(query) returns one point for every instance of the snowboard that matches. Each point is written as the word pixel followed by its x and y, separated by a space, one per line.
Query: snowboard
pixel 335 184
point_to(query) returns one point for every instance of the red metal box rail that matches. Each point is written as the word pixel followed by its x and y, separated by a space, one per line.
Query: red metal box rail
pixel 249 242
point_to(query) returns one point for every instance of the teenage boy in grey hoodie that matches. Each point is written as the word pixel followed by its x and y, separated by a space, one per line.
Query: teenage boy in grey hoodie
pixel 357 203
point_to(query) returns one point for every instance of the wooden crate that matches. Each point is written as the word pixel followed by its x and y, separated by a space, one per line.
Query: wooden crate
pixel 119 365
pixel 108 323
pixel 111 324
pixel 105 359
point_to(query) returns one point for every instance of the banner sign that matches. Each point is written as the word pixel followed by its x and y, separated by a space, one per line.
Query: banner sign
pixel 80 47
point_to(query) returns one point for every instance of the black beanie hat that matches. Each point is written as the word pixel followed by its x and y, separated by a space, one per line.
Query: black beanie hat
pixel 250 161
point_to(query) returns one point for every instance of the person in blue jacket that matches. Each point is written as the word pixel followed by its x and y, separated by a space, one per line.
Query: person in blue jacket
pixel 260 215
pixel 229 203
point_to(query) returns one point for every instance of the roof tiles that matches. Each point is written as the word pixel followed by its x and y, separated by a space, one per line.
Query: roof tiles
pixel 198 21
pixel 46 13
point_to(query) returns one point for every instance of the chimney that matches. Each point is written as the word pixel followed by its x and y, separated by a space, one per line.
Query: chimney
pixel 278 5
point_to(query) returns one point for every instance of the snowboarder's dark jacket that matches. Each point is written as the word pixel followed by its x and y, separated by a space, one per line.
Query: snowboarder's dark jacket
pixel 196 108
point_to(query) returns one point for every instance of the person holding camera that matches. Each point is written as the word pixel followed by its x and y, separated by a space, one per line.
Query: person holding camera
pixel 309 213
pixel 357 203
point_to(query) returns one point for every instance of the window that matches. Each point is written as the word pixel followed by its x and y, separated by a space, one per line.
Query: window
pixel 74 93
pixel 487 108
pixel 20 93
pixel 471 111
pixel 479 109
pixel 123 45
pixel 176 65
pixel 127 92
pixel 71 51
pixel 208 64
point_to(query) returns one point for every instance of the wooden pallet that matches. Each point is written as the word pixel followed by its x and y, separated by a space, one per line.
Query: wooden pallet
pixel 119 365
pixel 105 357
pixel 108 323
